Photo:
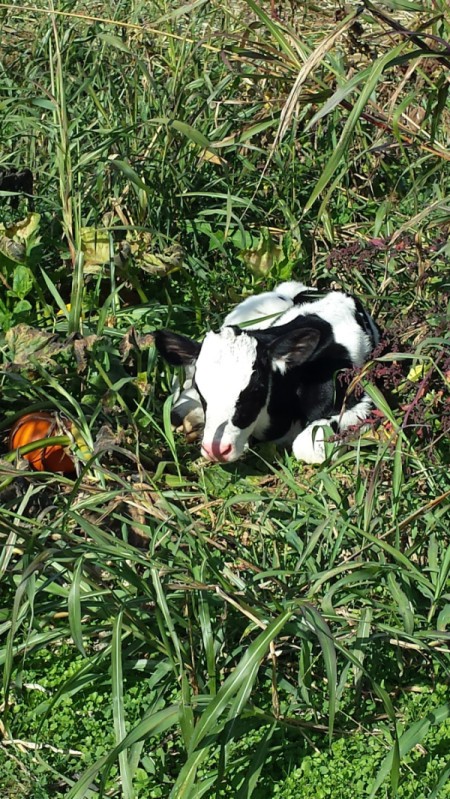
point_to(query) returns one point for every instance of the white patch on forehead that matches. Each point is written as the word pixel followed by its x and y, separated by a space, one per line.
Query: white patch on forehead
pixel 224 368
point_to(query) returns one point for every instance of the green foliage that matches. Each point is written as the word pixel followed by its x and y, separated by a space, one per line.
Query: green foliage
pixel 351 764
pixel 175 629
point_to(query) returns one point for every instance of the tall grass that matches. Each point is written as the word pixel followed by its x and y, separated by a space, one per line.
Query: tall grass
pixel 270 608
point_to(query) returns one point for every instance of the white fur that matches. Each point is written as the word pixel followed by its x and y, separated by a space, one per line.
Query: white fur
pixel 359 413
pixel 223 369
pixel 309 445
pixel 263 310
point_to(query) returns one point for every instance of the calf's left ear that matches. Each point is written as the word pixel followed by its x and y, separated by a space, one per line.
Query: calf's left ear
pixel 293 349
pixel 176 349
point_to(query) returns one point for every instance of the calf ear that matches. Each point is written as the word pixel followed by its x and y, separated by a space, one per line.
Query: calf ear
pixel 176 349
pixel 293 349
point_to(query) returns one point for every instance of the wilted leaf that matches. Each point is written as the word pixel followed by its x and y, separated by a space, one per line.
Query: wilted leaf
pixel 14 250
pixel 416 373
pixel 212 157
pixel 27 344
pixel 163 262
pixel 129 343
pixel 147 341
pixel 132 341
pixel 106 439
pixel 80 347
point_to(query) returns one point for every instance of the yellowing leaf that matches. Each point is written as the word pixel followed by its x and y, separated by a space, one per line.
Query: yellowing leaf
pixel 23 229
pixel 416 373
pixel 212 157
pixel 261 258
pixel 95 247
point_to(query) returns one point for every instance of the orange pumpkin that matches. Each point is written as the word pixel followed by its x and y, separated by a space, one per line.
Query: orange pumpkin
pixel 37 425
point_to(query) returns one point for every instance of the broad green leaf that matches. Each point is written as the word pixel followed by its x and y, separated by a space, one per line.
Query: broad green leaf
pixel 122 166
pixel 22 281
pixel 362 637
pixel 192 134
pixel 402 602
pixel 114 41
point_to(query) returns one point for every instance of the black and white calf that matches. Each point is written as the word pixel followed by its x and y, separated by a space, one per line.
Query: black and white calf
pixel 269 374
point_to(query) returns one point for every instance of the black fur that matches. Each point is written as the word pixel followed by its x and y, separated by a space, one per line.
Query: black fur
pixel 19 183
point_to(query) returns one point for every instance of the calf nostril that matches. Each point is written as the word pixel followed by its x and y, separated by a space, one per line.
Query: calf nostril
pixel 216 451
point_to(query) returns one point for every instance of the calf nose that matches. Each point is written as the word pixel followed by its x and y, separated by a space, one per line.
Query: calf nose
pixel 217 451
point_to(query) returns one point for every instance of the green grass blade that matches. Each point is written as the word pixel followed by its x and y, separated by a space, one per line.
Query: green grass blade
pixel 349 127
pixel 155 724
pixel 241 678
pixel 255 766
pixel 323 632
pixel 118 707
pixel 74 605
pixel 277 32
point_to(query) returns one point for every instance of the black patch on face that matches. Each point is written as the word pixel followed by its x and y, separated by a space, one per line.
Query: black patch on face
pixel 253 397
pixel 201 397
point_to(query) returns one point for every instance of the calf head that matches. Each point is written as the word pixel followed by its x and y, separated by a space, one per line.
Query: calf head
pixel 233 376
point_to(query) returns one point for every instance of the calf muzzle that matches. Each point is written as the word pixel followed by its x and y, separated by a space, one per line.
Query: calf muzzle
pixel 218 451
